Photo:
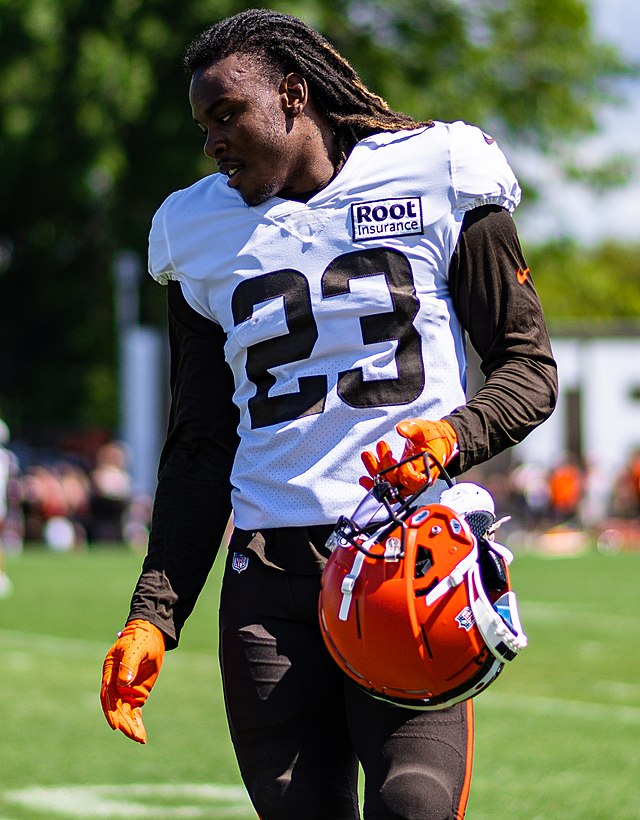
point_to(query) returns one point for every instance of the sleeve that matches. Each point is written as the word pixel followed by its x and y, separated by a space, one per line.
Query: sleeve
pixel 497 304
pixel 160 262
pixel 480 172
pixel 193 498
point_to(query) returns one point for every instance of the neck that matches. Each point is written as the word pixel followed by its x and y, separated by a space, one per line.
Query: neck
pixel 321 163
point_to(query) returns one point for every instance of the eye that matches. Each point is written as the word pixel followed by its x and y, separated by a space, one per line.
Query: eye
pixel 225 117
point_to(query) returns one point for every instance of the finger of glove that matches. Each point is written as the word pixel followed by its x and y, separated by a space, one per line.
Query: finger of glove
pixel 136 660
pixel 108 701
pixel 126 674
pixel 385 456
pixel 380 461
pixel 129 665
pixel 108 690
pixel 140 688
pixel 122 715
pixel 133 726
pixel 411 476
pixel 415 470
pixel 413 431
pixel 113 690
pixel 383 460
pixel 128 719
pixel 413 479
pixel 429 436
pixel 433 445
pixel 109 667
pixel 366 482
pixel 117 710
pixel 370 462
pixel 387 462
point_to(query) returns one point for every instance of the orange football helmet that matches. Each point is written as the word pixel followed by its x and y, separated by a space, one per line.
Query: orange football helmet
pixel 415 606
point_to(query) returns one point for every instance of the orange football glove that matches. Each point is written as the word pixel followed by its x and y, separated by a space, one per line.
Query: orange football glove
pixel 382 460
pixel 128 674
pixel 431 437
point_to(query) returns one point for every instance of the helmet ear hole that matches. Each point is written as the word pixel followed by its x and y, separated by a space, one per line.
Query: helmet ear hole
pixel 424 562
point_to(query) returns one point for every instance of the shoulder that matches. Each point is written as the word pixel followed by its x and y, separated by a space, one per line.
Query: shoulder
pixel 460 156
pixel 480 172
pixel 172 220
pixel 421 140
pixel 184 200
pixel 435 133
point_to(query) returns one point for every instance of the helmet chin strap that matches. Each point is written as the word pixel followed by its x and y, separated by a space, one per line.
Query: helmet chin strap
pixel 348 583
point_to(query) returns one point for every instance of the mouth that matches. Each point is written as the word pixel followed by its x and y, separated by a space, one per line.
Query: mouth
pixel 232 170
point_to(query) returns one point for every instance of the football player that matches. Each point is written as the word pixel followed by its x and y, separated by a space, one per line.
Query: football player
pixel 320 288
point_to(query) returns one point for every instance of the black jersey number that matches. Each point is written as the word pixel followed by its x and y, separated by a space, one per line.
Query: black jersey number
pixel 294 346
pixel 382 327
pixel 298 343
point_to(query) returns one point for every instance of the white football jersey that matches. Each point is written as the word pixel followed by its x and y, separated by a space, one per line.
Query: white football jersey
pixel 337 311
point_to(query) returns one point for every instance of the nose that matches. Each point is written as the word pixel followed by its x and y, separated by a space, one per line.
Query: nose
pixel 214 145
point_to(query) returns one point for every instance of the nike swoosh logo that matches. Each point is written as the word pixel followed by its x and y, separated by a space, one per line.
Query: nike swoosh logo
pixel 522 275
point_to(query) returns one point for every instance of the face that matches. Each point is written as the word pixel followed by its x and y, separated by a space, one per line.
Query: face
pixel 254 128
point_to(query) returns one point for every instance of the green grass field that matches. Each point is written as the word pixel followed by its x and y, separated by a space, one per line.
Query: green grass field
pixel 556 735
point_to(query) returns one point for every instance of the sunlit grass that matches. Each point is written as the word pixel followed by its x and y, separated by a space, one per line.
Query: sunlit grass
pixel 556 734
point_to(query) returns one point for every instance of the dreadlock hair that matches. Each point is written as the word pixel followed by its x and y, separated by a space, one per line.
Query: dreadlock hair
pixel 284 44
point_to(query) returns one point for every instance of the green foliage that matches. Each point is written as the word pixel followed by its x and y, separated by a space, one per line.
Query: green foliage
pixel 95 131
pixel 528 69
pixel 577 283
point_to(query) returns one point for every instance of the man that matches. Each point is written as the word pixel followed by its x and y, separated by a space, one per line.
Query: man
pixel 6 586
pixel 319 290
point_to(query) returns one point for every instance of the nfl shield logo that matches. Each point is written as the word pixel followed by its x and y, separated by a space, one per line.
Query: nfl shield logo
pixel 239 562
pixel 465 619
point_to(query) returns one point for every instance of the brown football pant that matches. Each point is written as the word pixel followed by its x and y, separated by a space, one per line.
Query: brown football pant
pixel 299 726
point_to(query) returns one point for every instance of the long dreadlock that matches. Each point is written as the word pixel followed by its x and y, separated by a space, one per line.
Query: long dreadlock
pixel 286 44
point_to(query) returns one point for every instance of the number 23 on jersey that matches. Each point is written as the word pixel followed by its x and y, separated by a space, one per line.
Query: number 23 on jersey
pixel 298 343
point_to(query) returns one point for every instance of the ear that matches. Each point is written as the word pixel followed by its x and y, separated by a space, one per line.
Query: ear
pixel 294 94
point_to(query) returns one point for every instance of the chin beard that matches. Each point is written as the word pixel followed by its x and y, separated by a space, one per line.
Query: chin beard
pixel 258 197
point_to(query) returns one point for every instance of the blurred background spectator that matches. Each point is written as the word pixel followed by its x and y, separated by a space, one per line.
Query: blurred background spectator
pixel 5 473
pixel 566 485
pixel 110 493
pixel 69 500
pixel 81 495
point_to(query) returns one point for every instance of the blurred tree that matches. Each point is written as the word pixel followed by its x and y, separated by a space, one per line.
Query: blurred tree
pixel 95 132
pixel 598 283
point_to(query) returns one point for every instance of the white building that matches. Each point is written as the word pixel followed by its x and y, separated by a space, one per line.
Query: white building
pixel 598 412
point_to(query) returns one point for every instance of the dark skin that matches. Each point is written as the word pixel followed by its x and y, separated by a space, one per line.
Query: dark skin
pixel 265 135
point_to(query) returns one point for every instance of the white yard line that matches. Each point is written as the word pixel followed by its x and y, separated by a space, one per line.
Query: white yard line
pixel 128 800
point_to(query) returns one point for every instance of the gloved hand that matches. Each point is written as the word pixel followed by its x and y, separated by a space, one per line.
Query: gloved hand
pixel 422 436
pixel 129 671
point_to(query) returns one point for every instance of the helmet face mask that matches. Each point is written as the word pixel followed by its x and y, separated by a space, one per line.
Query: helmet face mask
pixel 407 610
